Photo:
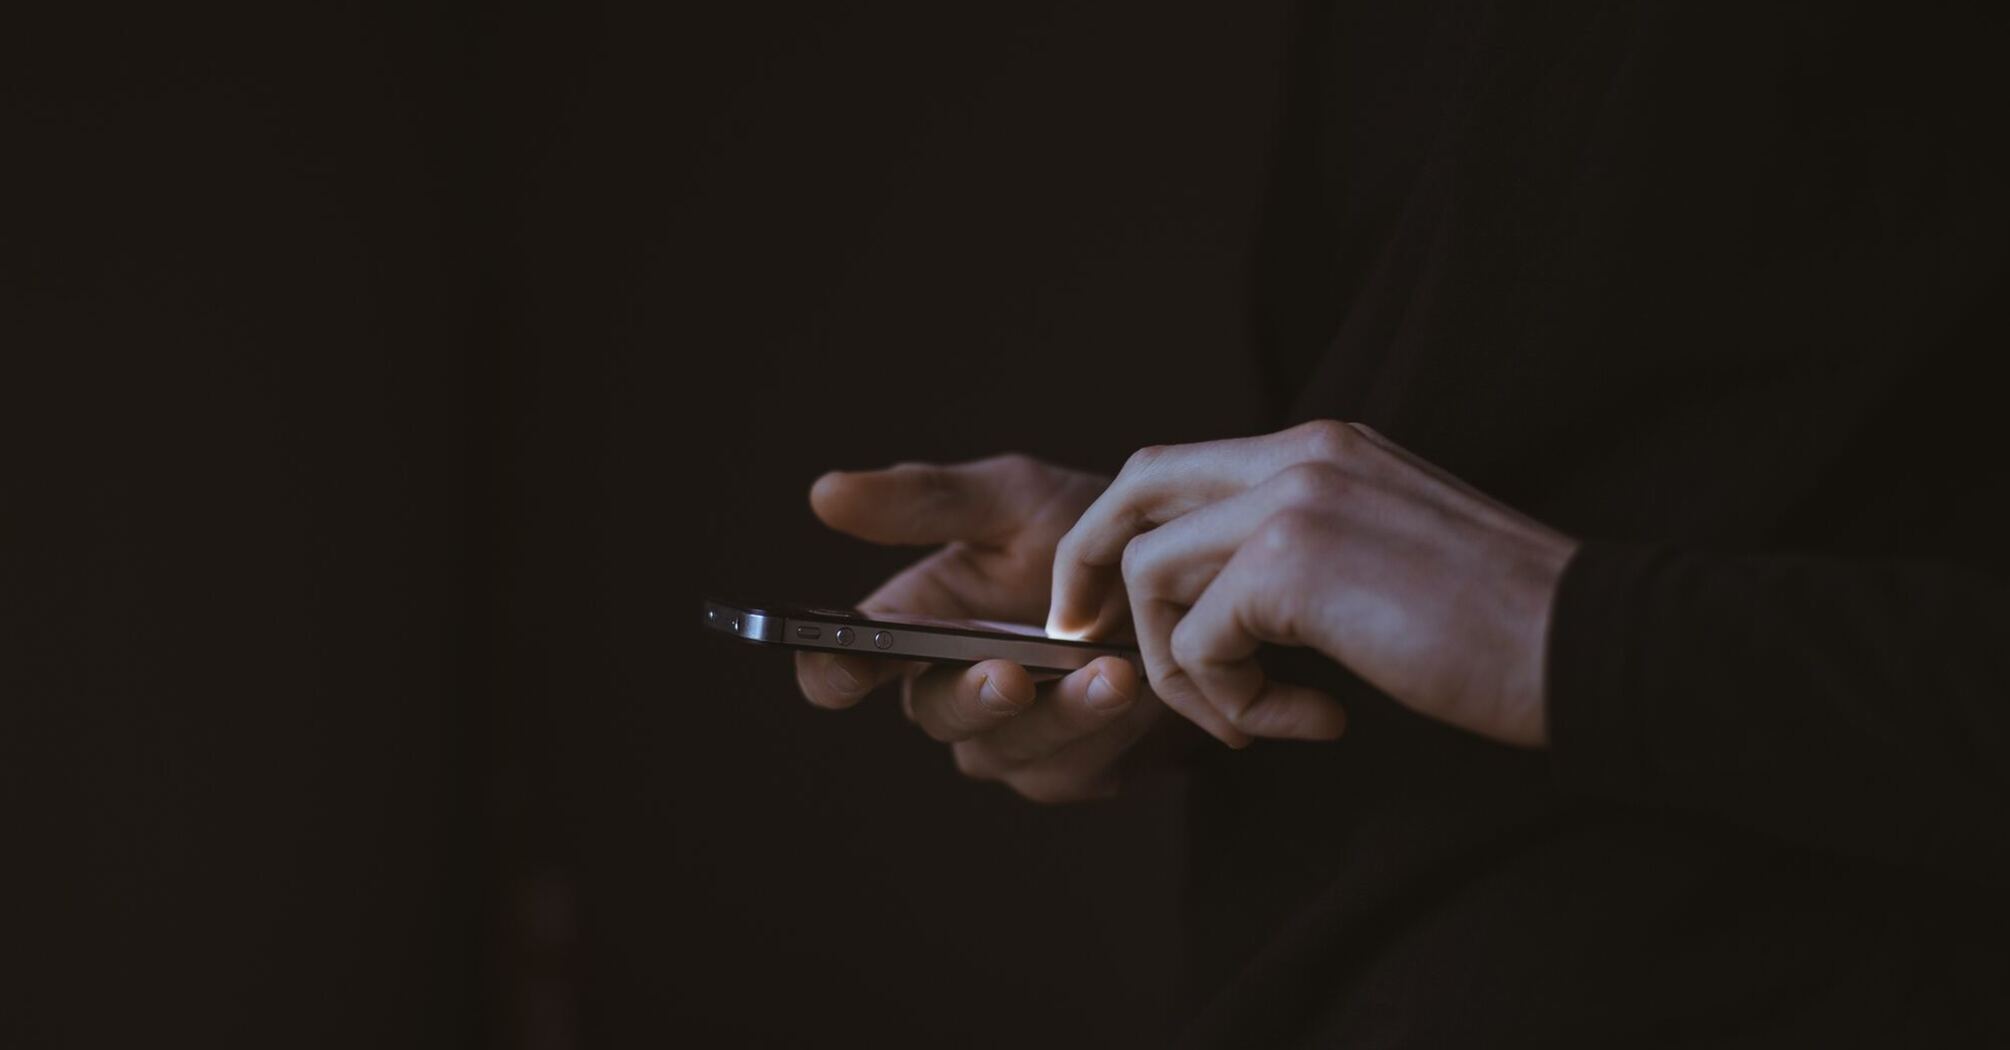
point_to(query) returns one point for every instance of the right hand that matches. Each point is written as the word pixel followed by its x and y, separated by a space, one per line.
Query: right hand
pixel 999 519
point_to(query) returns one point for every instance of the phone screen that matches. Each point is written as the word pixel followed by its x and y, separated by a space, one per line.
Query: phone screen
pixel 1026 630
pixel 1023 630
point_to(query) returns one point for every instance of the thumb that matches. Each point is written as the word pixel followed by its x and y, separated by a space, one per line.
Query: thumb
pixel 922 504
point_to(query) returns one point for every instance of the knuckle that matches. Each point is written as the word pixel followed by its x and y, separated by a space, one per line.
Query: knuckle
pixel 1017 468
pixel 1142 460
pixel 1327 440
pixel 1187 644
pixel 1015 461
pixel 928 472
pixel 1288 531
pixel 1311 482
pixel 932 480
pixel 1137 560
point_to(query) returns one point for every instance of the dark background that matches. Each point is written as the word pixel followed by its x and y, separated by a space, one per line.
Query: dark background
pixel 380 389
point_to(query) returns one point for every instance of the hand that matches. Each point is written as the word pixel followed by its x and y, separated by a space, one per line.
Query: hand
pixel 999 518
pixel 1326 535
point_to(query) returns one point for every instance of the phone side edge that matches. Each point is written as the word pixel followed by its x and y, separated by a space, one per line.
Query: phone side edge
pixel 754 625
pixel 907 641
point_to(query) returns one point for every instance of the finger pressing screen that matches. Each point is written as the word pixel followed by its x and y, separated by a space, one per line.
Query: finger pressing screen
pixel 1156 486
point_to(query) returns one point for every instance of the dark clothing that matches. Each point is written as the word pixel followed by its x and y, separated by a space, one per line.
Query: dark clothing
pixel 1718 291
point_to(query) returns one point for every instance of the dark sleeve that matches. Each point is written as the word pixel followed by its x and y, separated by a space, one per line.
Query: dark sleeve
pixel 1859 707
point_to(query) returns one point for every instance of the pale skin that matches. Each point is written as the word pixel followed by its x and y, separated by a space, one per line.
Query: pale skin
pixel 1326 536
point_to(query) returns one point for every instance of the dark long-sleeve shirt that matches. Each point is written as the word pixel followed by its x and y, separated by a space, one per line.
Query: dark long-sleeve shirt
pixel 1719 290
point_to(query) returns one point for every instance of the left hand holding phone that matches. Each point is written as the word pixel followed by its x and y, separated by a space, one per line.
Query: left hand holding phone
pixel 998 521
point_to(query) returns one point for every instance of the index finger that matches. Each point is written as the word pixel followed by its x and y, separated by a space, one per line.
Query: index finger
pixel 1157 484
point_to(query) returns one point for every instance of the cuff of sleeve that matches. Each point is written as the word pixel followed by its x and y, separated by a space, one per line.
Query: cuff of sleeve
pixel 1596 698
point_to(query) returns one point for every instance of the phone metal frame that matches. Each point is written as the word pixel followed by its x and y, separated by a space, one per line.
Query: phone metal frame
pixel 825 630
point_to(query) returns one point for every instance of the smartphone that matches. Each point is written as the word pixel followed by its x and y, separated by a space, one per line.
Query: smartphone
pixel 907 637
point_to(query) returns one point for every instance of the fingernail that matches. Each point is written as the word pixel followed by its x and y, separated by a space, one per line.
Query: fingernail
pixel 841 679
pixel 1103 696
pixel 994 699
